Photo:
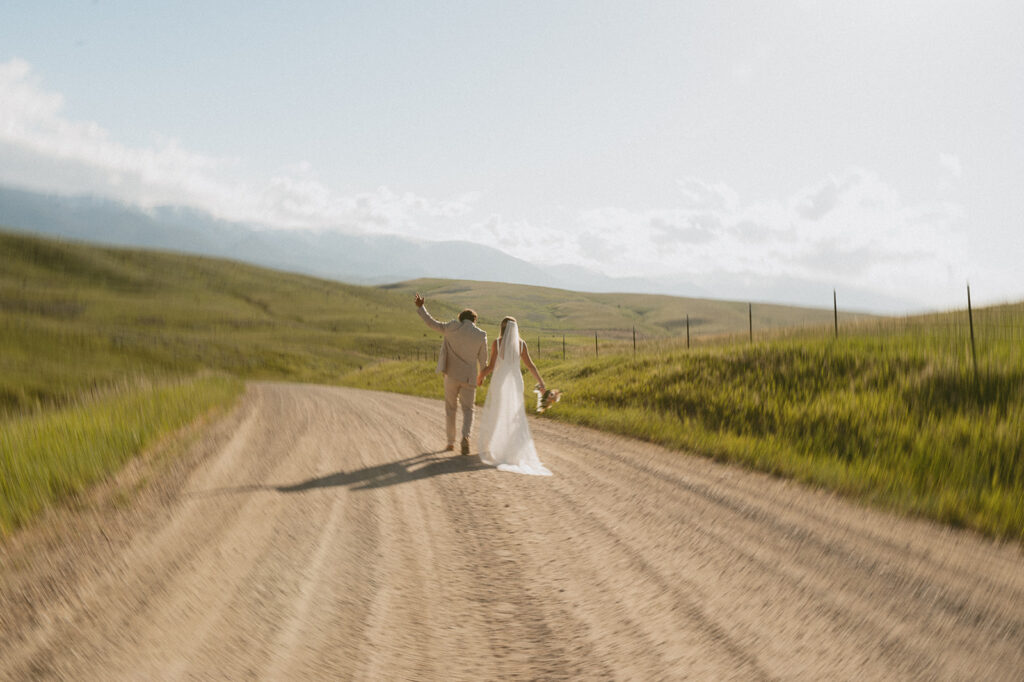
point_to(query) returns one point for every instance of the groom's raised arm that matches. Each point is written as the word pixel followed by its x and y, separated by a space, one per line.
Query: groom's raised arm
pixel 431 322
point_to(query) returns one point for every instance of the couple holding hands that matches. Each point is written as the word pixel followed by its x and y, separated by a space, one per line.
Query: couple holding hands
pixel 504 435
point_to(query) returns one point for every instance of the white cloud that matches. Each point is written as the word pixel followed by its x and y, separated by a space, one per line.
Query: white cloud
pixel 43 150
pixel 851 230
pixel 815 202
pixel 698 194
pixel 55 151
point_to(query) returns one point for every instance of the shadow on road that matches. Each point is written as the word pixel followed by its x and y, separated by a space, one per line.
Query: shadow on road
pixel 423 465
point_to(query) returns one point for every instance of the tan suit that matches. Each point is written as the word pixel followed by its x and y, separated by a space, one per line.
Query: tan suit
pixel 463 354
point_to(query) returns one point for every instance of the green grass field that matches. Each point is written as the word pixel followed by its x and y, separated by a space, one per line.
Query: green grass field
pixel 54 455
pixel 74 318
pixel 105 351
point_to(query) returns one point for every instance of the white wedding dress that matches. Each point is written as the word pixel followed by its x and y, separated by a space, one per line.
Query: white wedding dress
pixel 505 440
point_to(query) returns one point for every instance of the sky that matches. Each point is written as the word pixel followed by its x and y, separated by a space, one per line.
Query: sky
pixel 875 145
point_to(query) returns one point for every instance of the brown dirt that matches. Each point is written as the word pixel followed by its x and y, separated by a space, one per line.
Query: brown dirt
pixel 318 533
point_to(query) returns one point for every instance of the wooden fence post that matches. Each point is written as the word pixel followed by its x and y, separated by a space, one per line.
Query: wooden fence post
pixel 634 340
pixel 687 330
pixel 750 318
pixel 835 312
pixel 970 318
pixel 563 347
pixel 595 345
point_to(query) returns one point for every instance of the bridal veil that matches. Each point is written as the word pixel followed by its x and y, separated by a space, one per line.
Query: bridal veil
pixel 505 439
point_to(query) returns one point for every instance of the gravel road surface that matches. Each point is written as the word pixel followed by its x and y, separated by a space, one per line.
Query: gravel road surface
pixel 319 532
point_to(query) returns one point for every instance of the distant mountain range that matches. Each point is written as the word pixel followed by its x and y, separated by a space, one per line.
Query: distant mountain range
pixel 369 259
pixel 353 258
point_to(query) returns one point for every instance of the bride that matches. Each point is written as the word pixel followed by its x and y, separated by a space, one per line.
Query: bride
pixel 505 439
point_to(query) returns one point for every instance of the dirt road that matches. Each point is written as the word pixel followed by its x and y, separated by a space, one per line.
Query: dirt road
pixel 319 533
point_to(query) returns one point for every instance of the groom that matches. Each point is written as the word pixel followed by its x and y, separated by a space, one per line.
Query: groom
pixel 463 349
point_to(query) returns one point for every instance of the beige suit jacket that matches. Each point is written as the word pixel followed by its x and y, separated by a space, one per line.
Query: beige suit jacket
pixel 464 350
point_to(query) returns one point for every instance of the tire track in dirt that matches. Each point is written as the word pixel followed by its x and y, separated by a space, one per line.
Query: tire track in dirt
pixel 319 533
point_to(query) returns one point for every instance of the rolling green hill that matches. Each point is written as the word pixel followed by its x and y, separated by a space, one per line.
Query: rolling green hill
pixel 540 310
pixel 76 318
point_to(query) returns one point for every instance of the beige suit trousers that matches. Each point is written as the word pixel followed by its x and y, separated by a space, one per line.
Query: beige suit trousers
pixel 456 391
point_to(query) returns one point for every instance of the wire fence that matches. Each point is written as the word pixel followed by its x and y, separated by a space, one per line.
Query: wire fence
pixel 969 336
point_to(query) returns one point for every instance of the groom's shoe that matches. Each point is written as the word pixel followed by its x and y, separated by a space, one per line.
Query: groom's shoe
pixel 465 446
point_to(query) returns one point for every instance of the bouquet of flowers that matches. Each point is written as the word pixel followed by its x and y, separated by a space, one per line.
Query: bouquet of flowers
pixel 547 398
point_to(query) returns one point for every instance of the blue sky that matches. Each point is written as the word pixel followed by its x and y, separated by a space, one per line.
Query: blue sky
pixel 871 145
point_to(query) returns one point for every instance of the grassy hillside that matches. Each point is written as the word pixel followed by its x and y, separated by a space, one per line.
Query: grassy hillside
pixel 540 310
pixel 75 319
pixel 891 412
